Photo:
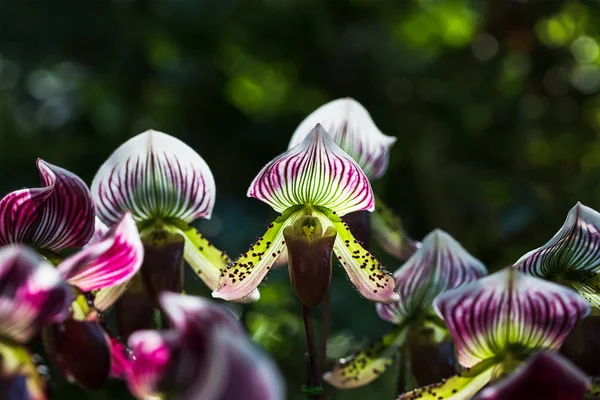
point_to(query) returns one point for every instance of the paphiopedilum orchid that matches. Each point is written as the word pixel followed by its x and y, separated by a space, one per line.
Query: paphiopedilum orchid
pixel 572 256
pixel 497 322
pixel 206 355
pixel 352 128
pixel 80 345
pixel 32 294
pixel 54 217
pixel 545 375
pixel 319 180
pixel 439 265
pixel 165 185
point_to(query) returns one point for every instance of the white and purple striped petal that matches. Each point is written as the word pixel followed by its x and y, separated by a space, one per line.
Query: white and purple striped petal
pixel 205 356
pixel 316 172
pixel 572 256
pixel 352 128
pixel 546 375
pixel 56 216
pixel 154 175
pixel 111 261
pixel 440 264
pixel 32 293
pixel 508 310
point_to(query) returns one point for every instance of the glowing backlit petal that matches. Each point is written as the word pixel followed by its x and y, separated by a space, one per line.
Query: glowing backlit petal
pixel 204 258
pixel 368 363
pixel 154 175
pixel 111 261
pixel 508 310
pixel 440 264
pixel 315 172
pixel 241 278
pixel 572 256
pixel 205 356
pixel 32 293
pixel 459 387
pixel 353 129
pixel 364 270
pixel 546 375
pixel 56 216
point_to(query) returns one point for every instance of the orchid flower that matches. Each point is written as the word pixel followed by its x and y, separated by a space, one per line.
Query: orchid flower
pixel 572 256
pixel 206 355
pixel 57 216
pixel 105 264
pixel 497 322
pixel 440 264
pixel 352 128
pixel 32 294
pixel 545 375
pixel 319 180
pixel 165 185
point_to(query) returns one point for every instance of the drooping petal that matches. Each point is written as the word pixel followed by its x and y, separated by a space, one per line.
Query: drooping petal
pixel 120 359
pixel 241 278
pixel 204 258
pixel 81 350
pixel 19 375
pixel 364 270
pixel 205 356
pixel 367 364
pixel 32 293
pixel 353 129
pixel 315 172
pixel 154 175
pixel 440 264
pixel 572 256
pixel 389 233
pixel 56 216
pixel 459 387
pixel 546 375
pixel 111 261
pixel 507 310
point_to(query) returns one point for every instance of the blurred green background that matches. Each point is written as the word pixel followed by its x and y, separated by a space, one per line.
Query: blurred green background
pixel 495 105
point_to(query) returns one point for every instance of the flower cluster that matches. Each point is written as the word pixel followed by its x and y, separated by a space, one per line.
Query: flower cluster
pixel 69 254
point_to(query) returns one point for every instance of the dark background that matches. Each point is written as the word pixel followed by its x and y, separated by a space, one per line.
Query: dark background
pixel 494 104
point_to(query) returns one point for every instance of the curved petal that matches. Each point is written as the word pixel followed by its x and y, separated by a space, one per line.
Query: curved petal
pixel 241 278
pixel 353 129
pixel 109 262
pixel 56 216
pixel 508 309
pixel 315 172
pixel 205 356
pixel 388 232
pixel 120 359
pixel 367 364
pixel 206 260
pixel 440 264
pixel 19 374
pixel 106 297
pixel 459 387
pixel 154 175
pixel 32 293
pixel 100 230
pixel 572 255
pixel 546 375
pixel 364 270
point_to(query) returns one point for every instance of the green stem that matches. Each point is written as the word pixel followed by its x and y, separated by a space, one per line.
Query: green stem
pixel 314 378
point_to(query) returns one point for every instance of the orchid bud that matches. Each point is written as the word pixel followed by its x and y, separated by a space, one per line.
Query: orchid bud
pixel 309 252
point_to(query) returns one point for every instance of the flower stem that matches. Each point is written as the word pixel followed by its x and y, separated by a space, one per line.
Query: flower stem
pixel 314 378
pixel 325 323
pixel 404 370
